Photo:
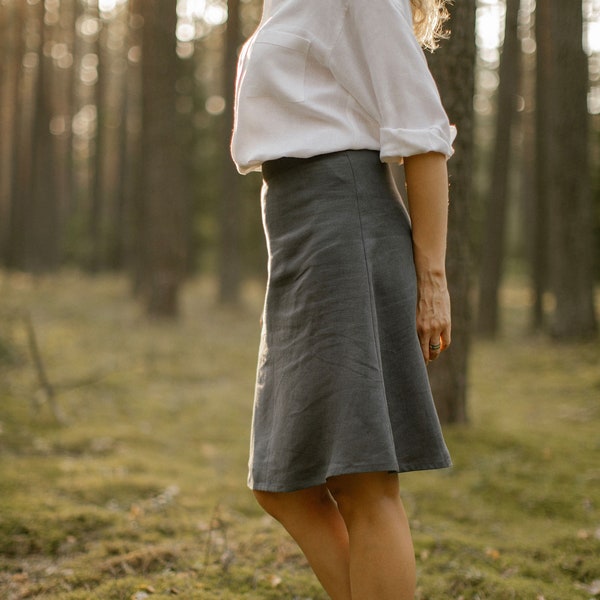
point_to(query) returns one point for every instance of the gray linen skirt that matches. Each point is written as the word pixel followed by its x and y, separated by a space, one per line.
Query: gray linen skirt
pixel 341 383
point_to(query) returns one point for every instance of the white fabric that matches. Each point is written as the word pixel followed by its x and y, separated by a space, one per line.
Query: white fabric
pixel 321 76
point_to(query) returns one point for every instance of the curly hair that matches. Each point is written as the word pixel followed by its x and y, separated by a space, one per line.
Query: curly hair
pixel 429 17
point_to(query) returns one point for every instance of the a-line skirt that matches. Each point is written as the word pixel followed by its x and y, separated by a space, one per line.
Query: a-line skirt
pixel 341 384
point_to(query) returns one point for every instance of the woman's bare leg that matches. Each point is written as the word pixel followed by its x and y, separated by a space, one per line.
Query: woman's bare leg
pixel 312 518
pixel 354 533
pixel 382 560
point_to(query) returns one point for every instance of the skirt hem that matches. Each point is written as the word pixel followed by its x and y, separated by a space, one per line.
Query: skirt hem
pixel 442 463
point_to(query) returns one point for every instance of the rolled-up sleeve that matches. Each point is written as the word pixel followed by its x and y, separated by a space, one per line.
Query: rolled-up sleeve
pixel 379 62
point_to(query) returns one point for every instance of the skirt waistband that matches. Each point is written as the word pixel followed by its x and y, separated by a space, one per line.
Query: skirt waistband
pixel 271 168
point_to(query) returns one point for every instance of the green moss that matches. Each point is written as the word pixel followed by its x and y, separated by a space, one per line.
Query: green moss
pixel 32 528
pixel 143 491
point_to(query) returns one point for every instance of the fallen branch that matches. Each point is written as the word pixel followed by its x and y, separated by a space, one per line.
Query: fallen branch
pixel 38 363
pixel 227 556
pixel 86 381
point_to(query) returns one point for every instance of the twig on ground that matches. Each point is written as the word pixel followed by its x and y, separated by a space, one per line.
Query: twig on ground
pixel 217 524
pixel 38 363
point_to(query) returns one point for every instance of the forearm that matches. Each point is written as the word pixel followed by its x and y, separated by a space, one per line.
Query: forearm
pixel 427 189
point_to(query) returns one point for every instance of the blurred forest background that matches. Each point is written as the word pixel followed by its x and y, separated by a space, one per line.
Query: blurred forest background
pixel 115 120
pixel 132 267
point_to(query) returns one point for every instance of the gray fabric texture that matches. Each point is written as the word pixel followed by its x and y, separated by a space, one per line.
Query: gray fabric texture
pixel 341 384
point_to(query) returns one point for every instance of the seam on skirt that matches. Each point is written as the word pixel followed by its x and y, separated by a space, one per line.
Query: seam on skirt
pixel 371 294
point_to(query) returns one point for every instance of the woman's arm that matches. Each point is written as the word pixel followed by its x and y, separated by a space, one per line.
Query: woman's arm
pixel 427 188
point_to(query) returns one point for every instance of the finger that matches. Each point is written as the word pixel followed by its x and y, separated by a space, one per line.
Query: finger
pixel 445 338
pixel 425 351
pixel 434 347
pixel 431 342
pixel 424 337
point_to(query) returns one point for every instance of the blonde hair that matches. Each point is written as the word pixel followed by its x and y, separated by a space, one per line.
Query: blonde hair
pixel 429 17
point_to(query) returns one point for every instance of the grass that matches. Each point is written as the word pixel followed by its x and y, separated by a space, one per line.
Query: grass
pixel 141 494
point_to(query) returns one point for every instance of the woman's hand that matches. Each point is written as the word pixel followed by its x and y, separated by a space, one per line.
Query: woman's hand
pixel 433 315
pixel 427 188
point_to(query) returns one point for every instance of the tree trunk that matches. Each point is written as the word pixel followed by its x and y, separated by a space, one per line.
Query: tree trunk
pixel 453 67
pixel 44 217
pixel 529 221
pixel 571 201
pixel 229 256
pixel 117 234
pixel 163 226
pixel 133 176
pixel 20 187
pixel 97 199
pixel 493 246
pixel 117 246
pixel 65 77
pixel 540 231
pixel 10 58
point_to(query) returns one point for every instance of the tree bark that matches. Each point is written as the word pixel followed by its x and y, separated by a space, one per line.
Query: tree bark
pixel 117 235
pixel 10 31
pixel 163 226
pixel 540 231
pixel 65 78
pixel 493 246
pixel 572 275
pixel 229 255
pixel 44 218
pixel 453 67
pixel 133 169
pixel 529 217
pixel 16 250
pixel 97 199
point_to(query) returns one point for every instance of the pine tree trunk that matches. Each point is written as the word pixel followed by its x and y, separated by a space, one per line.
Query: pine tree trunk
pixel 163 226
pixel 97 200
pixel 44 217
pixel 453 67
pixel 10 30
pixel 133 168
pixel 527 180
pixel 21 176
pixel 493 245
pixel 571 201
pixel 540 231
pixel 65 78
pixel 229 254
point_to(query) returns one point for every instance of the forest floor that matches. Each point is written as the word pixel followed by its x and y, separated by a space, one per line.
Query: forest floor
pixel 141 492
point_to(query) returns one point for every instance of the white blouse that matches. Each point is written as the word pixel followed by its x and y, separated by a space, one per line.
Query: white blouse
pixel 320 76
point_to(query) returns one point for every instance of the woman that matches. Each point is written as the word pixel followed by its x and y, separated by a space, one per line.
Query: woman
pixel 328 92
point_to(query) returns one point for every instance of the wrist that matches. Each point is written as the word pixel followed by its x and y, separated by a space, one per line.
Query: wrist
pixel 430 267
pixel 431 276
pixel 429 253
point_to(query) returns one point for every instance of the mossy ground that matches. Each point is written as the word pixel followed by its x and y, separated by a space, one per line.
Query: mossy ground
pixel 141 494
